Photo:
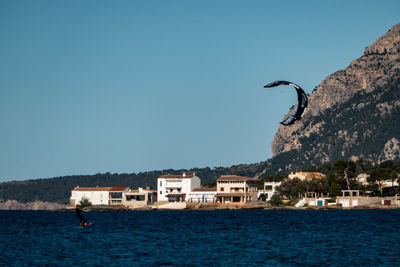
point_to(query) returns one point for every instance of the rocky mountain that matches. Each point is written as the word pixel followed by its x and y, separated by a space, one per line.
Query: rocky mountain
pixel 352 114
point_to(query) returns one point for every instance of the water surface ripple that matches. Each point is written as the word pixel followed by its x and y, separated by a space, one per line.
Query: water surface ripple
pixel 222 238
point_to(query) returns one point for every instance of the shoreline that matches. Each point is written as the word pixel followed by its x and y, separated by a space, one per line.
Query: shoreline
pixel 255 206
pixel 38 205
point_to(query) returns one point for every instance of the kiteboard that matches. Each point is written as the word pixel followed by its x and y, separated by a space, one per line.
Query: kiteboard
pixel 84 224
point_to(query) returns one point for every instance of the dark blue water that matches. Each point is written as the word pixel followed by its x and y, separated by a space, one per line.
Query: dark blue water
pixel 237 237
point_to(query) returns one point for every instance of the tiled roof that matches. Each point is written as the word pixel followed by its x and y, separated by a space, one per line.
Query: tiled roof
pixel 108 188
pixel 133 191
pixel 180 176
pixel 236 178
pixel 144 191
pixel 91 189
pixel 150 190
pixel 118 188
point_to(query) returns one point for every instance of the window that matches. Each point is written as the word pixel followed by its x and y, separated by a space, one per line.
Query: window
pixel 160 192
pixel 116 195
pixel 160 183
pixel 268 187
pixel 222 189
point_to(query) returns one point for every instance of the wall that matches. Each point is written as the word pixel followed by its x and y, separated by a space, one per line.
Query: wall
pixel 95 197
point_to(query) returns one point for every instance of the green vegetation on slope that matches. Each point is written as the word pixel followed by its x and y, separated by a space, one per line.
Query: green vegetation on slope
pixel 58 189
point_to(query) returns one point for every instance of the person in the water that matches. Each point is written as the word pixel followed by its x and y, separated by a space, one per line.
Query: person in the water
pixel 78 211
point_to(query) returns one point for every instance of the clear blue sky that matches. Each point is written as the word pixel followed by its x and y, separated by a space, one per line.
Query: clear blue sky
pixel 131 86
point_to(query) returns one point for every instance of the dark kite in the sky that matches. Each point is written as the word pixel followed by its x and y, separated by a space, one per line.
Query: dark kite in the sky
pixel 302 102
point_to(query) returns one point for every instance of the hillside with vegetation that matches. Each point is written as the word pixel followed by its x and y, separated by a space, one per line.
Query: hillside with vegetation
pixel 343 175
pixel 364 127
pixel 352 114
pixel 58 189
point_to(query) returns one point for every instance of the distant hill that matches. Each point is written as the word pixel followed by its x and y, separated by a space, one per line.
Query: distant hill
pixel 352 114
pixel 58 189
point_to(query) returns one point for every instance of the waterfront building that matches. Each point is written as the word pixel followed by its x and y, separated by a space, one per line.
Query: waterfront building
pixel 98 195
pixel 268 190
pixel 174 188
pixel 306 175
pixel 349 198
pixel 202 195
pixel 236 189
pixel 139 198
pixel 362 178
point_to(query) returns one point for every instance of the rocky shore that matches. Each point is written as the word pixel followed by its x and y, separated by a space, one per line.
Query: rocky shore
pixel 40 205
pixel 36 205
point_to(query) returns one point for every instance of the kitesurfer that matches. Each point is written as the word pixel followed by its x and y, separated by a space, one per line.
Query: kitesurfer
pixel 78 211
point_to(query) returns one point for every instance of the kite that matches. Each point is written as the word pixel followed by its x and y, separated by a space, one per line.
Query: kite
pixel 302 102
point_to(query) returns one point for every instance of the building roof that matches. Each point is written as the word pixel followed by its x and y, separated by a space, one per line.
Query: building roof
pixel 236 178
pixel 108 188
pixel 118 188
pixel 179 176
pixel 150 190
pixel 136 191
pixel 205 189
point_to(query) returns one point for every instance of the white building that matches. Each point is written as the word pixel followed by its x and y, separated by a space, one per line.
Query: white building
pixel 172 187
pixel 139 198
pixel 236 189
pixel 349 198
pixel 306 175
pixel 269 190
pixel 98 195
pixel 362 178
pixel 202 195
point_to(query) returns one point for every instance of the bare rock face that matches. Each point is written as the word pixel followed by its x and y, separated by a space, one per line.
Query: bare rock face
pixel 391 150
pixel 376 69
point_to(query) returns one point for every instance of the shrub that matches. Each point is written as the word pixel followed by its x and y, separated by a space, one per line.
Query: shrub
pixel 85 203
pixel 276 200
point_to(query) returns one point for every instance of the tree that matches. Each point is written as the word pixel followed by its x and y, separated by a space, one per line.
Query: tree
pixel 378 176
pixel 387 164
pixel 263 197
pixel 85 203
pixel 276 200
pixel 346 172
pixel 334 189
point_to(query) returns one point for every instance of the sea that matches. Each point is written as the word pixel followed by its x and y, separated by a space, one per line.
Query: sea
pixel 201 238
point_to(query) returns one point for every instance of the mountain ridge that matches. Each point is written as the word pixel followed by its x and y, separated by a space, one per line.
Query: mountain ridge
pixel 377 71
